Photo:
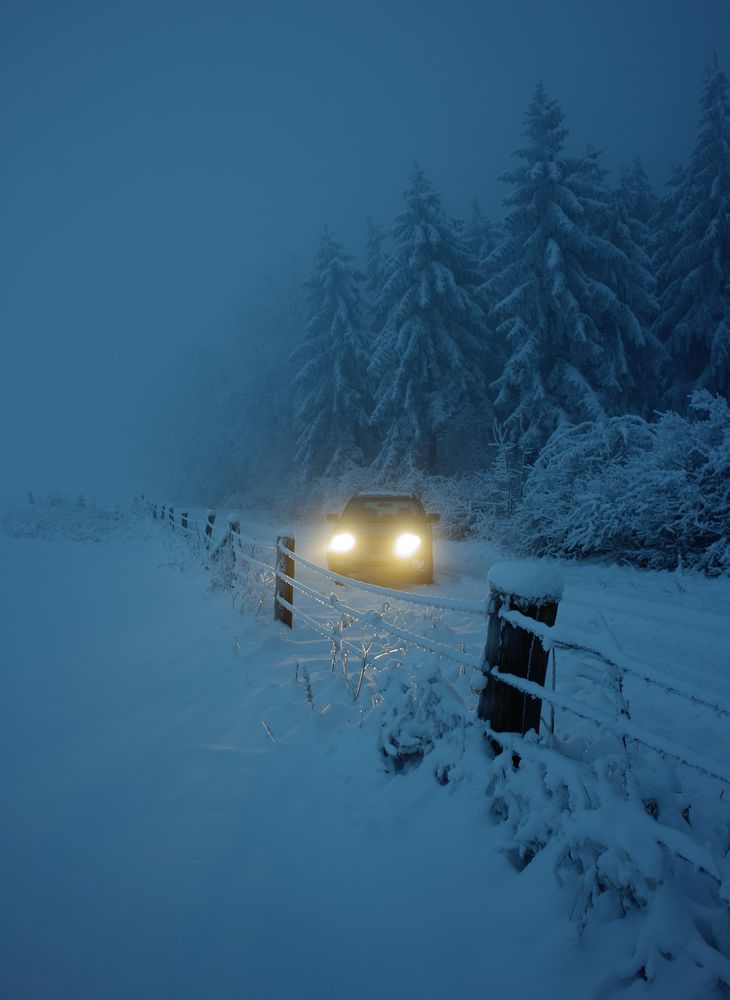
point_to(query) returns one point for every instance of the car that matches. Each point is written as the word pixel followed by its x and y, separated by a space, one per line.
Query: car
pixel 382 535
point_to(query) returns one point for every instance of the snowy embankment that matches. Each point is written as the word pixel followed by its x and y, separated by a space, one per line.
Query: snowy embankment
pixel 189 814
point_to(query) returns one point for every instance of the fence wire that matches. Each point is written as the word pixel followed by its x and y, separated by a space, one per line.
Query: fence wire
pixel 552 638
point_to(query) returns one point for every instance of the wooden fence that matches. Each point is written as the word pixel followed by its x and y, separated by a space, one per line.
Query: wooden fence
pixel 521 638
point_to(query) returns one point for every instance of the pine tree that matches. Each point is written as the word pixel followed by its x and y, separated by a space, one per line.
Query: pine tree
pixel 665 228
pixel 694 320
pixel 631 205
pixel 376 267
pixel 633 209
pixel 481 233
pixel 481 237
pixel 331 397
pixel 561 289
pixel 429 359
pixel 622 301
pixel 637 194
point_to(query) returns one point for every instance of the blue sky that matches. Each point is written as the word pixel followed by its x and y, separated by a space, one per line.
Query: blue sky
pixel 158 158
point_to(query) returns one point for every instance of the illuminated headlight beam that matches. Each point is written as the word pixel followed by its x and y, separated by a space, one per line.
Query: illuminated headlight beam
pixel 407 545
pixel 342 542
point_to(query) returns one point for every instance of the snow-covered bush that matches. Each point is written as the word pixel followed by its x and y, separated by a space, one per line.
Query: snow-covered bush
pixel 222 562
pixel 620 856
pixel 657 494
pixel 422 714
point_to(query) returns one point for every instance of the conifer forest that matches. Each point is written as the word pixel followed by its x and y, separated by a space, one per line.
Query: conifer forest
pixel 554 372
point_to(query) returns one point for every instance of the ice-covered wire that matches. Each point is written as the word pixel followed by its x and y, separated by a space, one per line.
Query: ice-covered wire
pixel 312 594
pixel 326 631
pixel 621 727
pixel 557 637
pixel 376 619
pixel 253 561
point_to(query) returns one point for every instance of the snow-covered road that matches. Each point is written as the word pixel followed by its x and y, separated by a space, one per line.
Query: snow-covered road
pixel 177 822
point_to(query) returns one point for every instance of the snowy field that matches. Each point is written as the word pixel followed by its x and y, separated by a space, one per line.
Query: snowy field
pixel 195 806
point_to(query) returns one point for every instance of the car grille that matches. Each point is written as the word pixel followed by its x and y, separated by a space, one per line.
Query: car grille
pixel 375 546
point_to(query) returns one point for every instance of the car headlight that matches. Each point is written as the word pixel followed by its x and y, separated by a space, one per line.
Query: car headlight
pixel 407 545
pixel 342 542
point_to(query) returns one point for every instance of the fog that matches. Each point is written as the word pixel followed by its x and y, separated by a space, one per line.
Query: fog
pixel 159 159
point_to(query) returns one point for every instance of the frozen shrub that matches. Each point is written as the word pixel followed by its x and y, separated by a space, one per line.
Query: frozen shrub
pixel 657 494
pixel 614 859
pixel 422 714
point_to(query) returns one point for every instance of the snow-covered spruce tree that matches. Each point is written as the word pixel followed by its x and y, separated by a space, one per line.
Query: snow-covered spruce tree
pixel 627 275
pixel 664 226
pixel 560 291
pixel 639 198
pixel 631 275
pixel 376 267
pixel 634 207
pixel 330 388
pixel 430 359
pixel 694 320
pixel 480 232
pixel 481 237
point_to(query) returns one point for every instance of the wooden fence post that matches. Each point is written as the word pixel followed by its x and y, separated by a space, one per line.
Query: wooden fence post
pixel 184 520
pixel 284 564
pixel 163 512
pixel 209 525
pixel 535 591
pixel 172 517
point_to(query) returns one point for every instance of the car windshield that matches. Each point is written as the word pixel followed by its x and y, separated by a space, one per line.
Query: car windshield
pixel 386 508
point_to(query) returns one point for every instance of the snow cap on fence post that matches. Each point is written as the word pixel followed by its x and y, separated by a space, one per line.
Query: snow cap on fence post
pixel 535 589
pixel 530 581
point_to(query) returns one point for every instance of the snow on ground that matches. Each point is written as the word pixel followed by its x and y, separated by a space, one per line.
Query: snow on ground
pixel 182 818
